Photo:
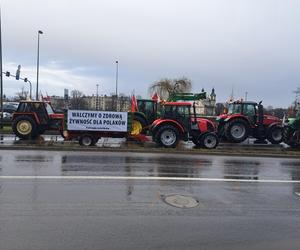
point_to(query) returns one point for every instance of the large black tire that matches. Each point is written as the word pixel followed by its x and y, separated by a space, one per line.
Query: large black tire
pixel 25 127
pixel 209 140
pixel 87 140
pixel 167 136
pixel 139 125
pixel 290 137
pixel 237 130
pixel 275 135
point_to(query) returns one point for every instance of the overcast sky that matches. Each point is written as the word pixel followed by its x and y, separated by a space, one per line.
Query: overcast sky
pixel 249 45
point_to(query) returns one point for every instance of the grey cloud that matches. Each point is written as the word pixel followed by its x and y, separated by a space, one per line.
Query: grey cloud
pixel 251 44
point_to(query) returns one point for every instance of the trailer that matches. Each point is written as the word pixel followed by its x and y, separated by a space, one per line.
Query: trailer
pixel 89 126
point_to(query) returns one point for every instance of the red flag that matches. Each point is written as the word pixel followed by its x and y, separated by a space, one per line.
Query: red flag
pixel 133 104
pixel 155 97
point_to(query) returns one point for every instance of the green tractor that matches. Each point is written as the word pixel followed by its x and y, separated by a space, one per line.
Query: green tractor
pixel 145 112
pixel 291 131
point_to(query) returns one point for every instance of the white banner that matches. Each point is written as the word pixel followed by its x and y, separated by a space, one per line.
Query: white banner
pixel 97 120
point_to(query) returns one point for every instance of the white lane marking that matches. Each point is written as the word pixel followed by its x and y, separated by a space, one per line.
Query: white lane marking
pixel 151 178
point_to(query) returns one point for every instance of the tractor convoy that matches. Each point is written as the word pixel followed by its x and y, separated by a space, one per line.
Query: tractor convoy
pixel 175 123
pixel 167 122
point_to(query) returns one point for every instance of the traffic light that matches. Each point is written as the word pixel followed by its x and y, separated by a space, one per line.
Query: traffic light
pixel 7 73
pixel 18 72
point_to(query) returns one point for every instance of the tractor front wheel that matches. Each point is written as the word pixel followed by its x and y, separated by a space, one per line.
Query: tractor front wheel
pixel 209 140
pixel 167 136
pixel 237 130
pixel 275 135
pixel 24 127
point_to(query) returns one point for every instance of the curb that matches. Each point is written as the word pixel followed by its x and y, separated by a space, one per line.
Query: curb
pixel 277 153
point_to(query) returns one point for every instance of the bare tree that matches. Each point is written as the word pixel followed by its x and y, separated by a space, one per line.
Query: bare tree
pixel 166 87
pixel 22 95
pixel 77 100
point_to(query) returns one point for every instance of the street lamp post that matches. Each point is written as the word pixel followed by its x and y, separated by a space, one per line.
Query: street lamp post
pixel 117 76
pixel 30 96
pixel 37 66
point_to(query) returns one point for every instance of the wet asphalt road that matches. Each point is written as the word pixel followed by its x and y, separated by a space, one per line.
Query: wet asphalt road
pixel 102 200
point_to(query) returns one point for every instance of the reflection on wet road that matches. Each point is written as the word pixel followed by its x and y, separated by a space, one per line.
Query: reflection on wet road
pixel 19 163
pixel 88 200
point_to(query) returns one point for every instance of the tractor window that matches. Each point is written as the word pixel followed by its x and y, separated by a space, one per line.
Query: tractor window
pixel 49 109
pixel 167 110
pixel 234 108
pixel 24 107
pixel 249 110
pixel 183 110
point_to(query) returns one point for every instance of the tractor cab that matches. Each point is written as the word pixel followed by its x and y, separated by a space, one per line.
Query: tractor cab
pixel 148 108
pixel 246 109
pixel 179 111
pixel 40 109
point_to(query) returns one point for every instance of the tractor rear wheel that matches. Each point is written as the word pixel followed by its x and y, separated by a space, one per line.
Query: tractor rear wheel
pixel 167 136
pixel 24 127
pixel 209 140
pixel 275 135
pixel 87 140
pixel 237 130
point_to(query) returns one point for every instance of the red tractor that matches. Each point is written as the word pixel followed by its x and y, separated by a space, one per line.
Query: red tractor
pixel 176 123
pixel 244 119
pixel 32 118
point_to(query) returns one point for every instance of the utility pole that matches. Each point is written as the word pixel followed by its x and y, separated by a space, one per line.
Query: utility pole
pixel 38 65
pixel 117 76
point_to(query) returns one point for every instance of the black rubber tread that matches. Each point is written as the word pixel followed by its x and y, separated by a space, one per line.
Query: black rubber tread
pixel 83 136
pixel 203 137
pixel 34 132
pixel 287 137
pixel 161 129
pixel 232 123
pixel 143 121
pixel 269 135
